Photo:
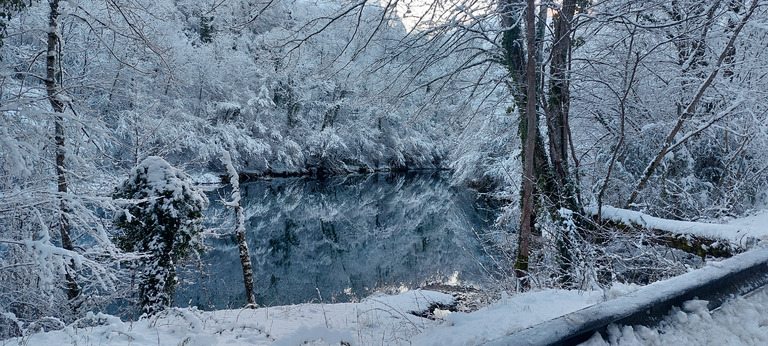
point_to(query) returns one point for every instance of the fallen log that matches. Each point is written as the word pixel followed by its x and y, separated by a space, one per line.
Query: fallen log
pixel 701 239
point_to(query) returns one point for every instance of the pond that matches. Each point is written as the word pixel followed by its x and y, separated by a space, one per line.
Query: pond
pixel 341 239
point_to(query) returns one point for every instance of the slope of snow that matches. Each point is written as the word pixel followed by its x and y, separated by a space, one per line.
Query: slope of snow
pixel 506 316
pixel 377 320
pixel 740 321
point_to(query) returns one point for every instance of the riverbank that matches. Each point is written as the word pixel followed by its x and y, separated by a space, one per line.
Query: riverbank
pixel 383 319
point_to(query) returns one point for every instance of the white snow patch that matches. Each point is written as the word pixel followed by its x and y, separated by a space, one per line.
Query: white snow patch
pixel 206 178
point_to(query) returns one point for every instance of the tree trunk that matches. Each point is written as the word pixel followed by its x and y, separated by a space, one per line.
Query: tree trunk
pixel 526 221
pixel 564 194
pixel 57 102
pixel 513 46
pixel 559 96
pixel 242 243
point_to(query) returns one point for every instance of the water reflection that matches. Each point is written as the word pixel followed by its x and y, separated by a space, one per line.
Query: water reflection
pixel 341 239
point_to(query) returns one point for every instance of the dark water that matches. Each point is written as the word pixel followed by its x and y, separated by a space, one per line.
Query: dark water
pixel 341 240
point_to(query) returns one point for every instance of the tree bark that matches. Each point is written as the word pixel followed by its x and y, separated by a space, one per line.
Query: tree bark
pixel 559 95
pixel 563 194
pixel 514 56
pixel 242 243
pixel 526 221
pixel 56 100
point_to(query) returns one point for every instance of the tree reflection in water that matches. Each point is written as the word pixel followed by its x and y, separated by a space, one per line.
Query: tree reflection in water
pixel 342 239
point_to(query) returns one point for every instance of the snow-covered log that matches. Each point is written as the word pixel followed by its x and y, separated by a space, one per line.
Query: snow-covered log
pixel 699 238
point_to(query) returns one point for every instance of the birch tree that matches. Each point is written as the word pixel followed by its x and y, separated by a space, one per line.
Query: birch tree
pixel 58 100
pixel 60 260
pixel 240 231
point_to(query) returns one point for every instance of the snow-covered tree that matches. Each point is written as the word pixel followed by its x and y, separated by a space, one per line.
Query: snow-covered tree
pixel 57 257
pixel 664 107
pixel 240 232
pixel 163 222
pixel 7 8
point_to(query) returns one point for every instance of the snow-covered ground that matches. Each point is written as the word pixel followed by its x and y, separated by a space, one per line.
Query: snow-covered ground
pixel 387 320
pixel 740 321
pixel 378 320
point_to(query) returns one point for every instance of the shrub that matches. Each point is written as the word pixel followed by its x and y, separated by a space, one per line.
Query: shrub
pixel 163 222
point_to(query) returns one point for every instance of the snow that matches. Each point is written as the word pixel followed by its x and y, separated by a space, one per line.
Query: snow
pixel 681 286
pixel 389 319
pixel 383 319
pixel 195 119
pixel 744 232
pixel 375 320
pixel 505 316
pixel 740 321
pixel 206 178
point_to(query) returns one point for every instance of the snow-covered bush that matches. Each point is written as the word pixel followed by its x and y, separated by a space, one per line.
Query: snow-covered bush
pixel 164 222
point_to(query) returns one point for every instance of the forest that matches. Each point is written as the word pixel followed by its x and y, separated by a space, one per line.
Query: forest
pixel 115 114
